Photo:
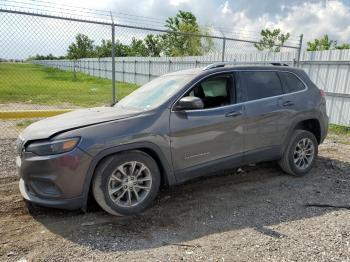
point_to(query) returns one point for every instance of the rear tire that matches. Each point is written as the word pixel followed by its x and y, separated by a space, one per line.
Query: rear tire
pixel 126 183
pixel 300 154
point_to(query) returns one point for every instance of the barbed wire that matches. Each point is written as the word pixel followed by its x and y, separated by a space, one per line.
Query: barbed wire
pixel 64 10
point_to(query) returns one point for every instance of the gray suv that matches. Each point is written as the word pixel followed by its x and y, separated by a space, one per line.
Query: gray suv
pixel 177 127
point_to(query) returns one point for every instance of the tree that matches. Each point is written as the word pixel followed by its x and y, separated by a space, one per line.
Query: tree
pixel 137 48
pixel 105 49
pixel 272 40
pixel 121 50
pixel 181 39
pixel 45 57
pixel 81 48
pixel 324 43
pixel 321 44
pixel 154 44
pixel 343 46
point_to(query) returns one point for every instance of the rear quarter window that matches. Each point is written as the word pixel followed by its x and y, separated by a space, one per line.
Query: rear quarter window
pixel 291 82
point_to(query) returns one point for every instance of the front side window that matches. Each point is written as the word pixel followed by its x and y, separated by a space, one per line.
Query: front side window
pixel 156 92
pixel 214 91
pixel 291 82
pixel 258 84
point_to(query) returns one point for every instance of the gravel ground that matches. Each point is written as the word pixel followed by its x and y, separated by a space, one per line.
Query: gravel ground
pixel 31 106
pixel 9 128
pixel 256 214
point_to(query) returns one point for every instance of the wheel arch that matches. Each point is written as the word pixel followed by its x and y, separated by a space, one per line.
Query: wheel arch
pixel 312 125
pixel 303 122
pixel 167 175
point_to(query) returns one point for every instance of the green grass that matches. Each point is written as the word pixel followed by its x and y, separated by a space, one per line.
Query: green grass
pixel 28 83
pixel 339 130
pixel 342 133
pixel 25 123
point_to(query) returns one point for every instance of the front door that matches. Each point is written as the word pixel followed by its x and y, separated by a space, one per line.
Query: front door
pixel 200 137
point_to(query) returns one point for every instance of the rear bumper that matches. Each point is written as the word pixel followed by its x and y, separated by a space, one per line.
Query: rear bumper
pixel 69 204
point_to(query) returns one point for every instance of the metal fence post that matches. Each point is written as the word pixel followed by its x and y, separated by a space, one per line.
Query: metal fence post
pixel 135 71
pixel 93 67
pixel 99 67
pixel 223 49
pixel 113 61
pixel 149 70
pixel 299 50
pixel 123 71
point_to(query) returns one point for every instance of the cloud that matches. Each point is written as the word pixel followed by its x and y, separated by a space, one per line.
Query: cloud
pixel 244 18
pixel 177 2
pixel 226 9
pixel 310 18
pixel 314 20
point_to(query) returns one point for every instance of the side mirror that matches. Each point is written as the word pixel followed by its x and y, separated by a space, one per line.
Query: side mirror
pixel 189 103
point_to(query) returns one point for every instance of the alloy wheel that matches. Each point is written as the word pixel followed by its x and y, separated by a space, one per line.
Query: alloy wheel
pixel 304 153
pixel 130 184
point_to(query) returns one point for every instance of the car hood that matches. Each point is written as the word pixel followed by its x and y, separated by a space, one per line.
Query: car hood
pixel 79 118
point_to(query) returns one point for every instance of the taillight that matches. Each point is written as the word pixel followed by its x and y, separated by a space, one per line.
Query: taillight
pixel 323 93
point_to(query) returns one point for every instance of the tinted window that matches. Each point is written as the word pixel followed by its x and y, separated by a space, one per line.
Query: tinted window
pixel 291 82
pixel 214 91
pixel 259 84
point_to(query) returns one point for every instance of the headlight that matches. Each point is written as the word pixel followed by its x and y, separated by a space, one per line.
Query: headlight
pixel 53 147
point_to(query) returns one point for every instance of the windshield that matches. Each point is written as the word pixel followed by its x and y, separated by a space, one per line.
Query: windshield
pixel 155 93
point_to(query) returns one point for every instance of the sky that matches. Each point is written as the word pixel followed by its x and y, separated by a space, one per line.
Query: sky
pixel 312 18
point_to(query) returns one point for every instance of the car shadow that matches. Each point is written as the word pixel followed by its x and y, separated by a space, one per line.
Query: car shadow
pixel 257 197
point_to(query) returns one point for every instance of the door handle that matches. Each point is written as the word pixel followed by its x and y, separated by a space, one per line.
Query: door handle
pixel 234 114
pixel 288 103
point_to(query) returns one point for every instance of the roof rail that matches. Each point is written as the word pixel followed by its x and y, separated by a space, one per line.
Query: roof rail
pixel 278 64
pixel 219 64
pixel 222 64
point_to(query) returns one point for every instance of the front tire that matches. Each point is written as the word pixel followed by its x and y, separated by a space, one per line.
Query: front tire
pixel 126 183
pixel 300 154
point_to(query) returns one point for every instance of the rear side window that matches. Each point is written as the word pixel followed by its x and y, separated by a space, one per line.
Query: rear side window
pixel 291 82
pixel 259 84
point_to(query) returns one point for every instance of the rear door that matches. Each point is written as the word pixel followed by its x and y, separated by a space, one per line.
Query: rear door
pixel 200 137
pixel 290 103
pixel 260 92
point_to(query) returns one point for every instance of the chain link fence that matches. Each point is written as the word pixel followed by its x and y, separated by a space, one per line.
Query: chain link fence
pixel 42 73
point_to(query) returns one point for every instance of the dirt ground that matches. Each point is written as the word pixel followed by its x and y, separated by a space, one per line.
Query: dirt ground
pixel 254 214
pixel 31 106
pixel 10 129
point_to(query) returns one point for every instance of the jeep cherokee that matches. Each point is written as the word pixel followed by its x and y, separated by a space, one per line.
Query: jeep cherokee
pixel 177 127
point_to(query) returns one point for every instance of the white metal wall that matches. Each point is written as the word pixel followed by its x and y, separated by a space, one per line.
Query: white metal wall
pixel 140 70
pixel 328 69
